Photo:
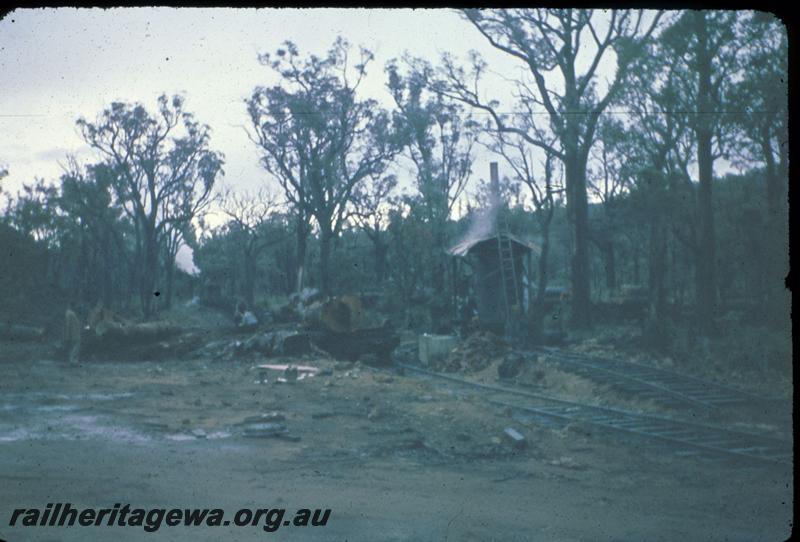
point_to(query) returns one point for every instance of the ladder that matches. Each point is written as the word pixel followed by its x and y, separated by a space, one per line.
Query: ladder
pixel 508 274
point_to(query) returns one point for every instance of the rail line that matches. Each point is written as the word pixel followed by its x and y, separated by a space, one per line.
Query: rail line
pixel 665 387
pixel 683 434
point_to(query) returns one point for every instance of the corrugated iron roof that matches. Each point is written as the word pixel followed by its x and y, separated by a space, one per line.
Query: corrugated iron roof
pixel 463 248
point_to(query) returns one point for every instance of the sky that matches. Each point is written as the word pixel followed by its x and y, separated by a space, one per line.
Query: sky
pixel 61 64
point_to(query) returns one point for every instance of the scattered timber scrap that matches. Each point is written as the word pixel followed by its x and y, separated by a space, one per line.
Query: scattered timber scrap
pixel 278 343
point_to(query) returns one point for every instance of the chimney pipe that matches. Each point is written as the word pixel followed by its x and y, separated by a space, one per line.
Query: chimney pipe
pixel 495 181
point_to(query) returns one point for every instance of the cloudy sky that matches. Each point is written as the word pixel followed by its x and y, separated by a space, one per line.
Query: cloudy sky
pixel 60 64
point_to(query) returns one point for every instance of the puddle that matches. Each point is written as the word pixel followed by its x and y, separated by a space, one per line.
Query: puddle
pixel 70 427
pixel 42 416
pixel 54 397
pixel 93 426
pixel 16 435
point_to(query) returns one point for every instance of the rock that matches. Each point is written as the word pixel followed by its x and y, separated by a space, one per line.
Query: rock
pixel 279 343
pixel 516 439
pixel 199 433
pixel 343 366
pixel 511 365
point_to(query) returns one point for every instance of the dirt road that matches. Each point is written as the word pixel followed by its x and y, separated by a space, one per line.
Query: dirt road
pixel 393 458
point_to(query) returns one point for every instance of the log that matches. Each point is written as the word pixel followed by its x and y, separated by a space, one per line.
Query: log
pixel 342 314
pixel 125 339
pixel 377 341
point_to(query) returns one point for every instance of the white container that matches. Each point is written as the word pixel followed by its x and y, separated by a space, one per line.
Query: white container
pixel 435 347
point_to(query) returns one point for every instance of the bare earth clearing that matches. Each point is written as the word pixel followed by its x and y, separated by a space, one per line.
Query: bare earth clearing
pixel 394 457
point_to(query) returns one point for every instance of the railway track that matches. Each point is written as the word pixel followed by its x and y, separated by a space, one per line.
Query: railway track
pixel 684 437
pixel 662 386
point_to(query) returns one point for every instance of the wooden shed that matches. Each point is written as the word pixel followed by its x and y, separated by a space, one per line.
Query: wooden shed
pixel 484 252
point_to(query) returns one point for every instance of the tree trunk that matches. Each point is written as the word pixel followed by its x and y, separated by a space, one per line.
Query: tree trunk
pixel 609 264
pixel 325 238
pixel 170 282
pixel 107 273
pixel 249 277
pixel 775 239
pixel 300 252
pixel 544 257
pixel 657 286
pixel 578 208
pixel 381 251
pixel 706 255
pixel 149 273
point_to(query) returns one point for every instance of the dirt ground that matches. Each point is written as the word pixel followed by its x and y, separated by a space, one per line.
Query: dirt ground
pixel 395 458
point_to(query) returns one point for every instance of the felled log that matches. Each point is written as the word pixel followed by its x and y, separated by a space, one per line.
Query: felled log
pixel 20 332
pixel 113 336
pixel 148 331
pixel 341 314
pixel 377 341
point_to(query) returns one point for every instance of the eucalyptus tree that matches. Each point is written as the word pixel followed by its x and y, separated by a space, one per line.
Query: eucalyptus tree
pixel 651 158
pixel 373 201
pixel 704 47
pixel 247 213
pixel 576 62
pixel 319 139
pixel 162 171
pixel 762 106
pixel 441 138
